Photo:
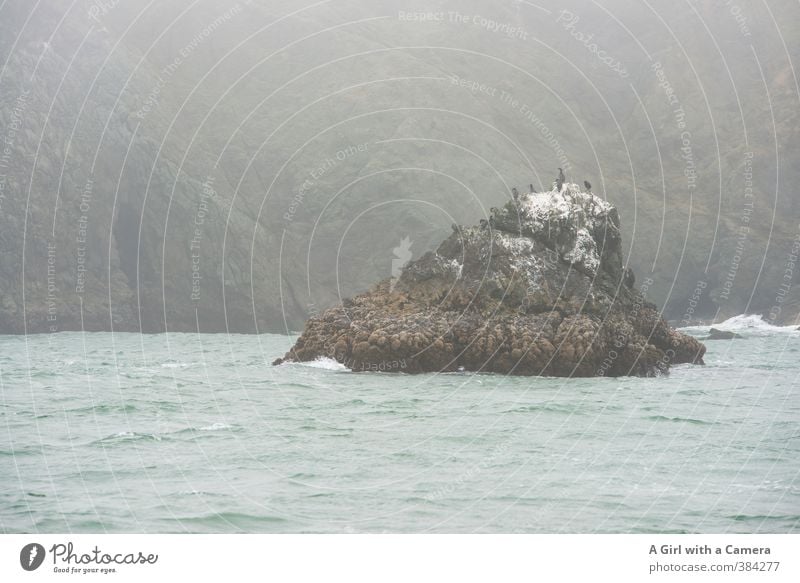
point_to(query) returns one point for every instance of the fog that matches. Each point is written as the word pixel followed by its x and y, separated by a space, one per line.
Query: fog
pixel 239 166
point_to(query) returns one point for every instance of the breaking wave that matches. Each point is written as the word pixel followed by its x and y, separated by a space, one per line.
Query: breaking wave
pixel 747 324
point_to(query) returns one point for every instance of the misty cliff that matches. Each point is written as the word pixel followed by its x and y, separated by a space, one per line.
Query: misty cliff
pixel 243 165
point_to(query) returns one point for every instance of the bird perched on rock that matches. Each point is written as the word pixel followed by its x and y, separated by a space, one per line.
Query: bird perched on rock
pixel 592 206
pixel 515 193
pixel 455 228
pixel 629 279
pixel 588 185
pixel 560 180
pixel 532 189
pixel 484 224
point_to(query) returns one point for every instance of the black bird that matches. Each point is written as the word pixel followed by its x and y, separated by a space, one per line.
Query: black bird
pixel 629 278
pixel 455 228
pixel 588 185
pixel 484 224
pixel 533 190
pixel 515 193
pixel 560 180
pixel 491 222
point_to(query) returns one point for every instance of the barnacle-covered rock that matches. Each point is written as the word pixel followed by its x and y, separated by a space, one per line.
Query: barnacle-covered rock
pixel 539 290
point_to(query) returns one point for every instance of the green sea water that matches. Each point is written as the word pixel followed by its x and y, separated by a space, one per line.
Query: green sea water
pixel 105 432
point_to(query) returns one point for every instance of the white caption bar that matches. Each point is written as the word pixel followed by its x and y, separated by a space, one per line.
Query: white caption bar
pixel 353 558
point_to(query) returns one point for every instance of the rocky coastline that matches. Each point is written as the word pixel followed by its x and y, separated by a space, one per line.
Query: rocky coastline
pixel 537 289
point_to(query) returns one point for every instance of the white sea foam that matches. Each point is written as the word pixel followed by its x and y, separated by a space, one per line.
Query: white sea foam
pixel 751 322
pixel 215 427
pixel 746 324
pixel 325 364
pixel 129 436
pixel 176 364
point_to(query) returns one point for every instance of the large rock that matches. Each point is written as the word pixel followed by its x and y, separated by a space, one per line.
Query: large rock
pixel 717 334
pixel 540 290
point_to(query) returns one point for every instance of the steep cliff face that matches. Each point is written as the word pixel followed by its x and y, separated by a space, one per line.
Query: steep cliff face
pixel 101 228
pixel 538 289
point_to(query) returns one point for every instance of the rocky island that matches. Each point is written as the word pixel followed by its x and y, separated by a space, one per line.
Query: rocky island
pixel 538 289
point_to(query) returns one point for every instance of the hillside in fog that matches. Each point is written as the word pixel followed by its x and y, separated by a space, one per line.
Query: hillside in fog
pixel 242 165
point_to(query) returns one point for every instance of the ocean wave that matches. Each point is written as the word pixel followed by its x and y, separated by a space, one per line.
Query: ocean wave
pixel 321 363
pixel 105 408
pixel 195 492
pixel 748 324
pixel 215 427
pixel 217 521
pixel 794 518
pixel 680 420
pixel 546 408
pixel 19 451
pixel 130 436
pixel 126 437
pixel 695 392
pixel 752 322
